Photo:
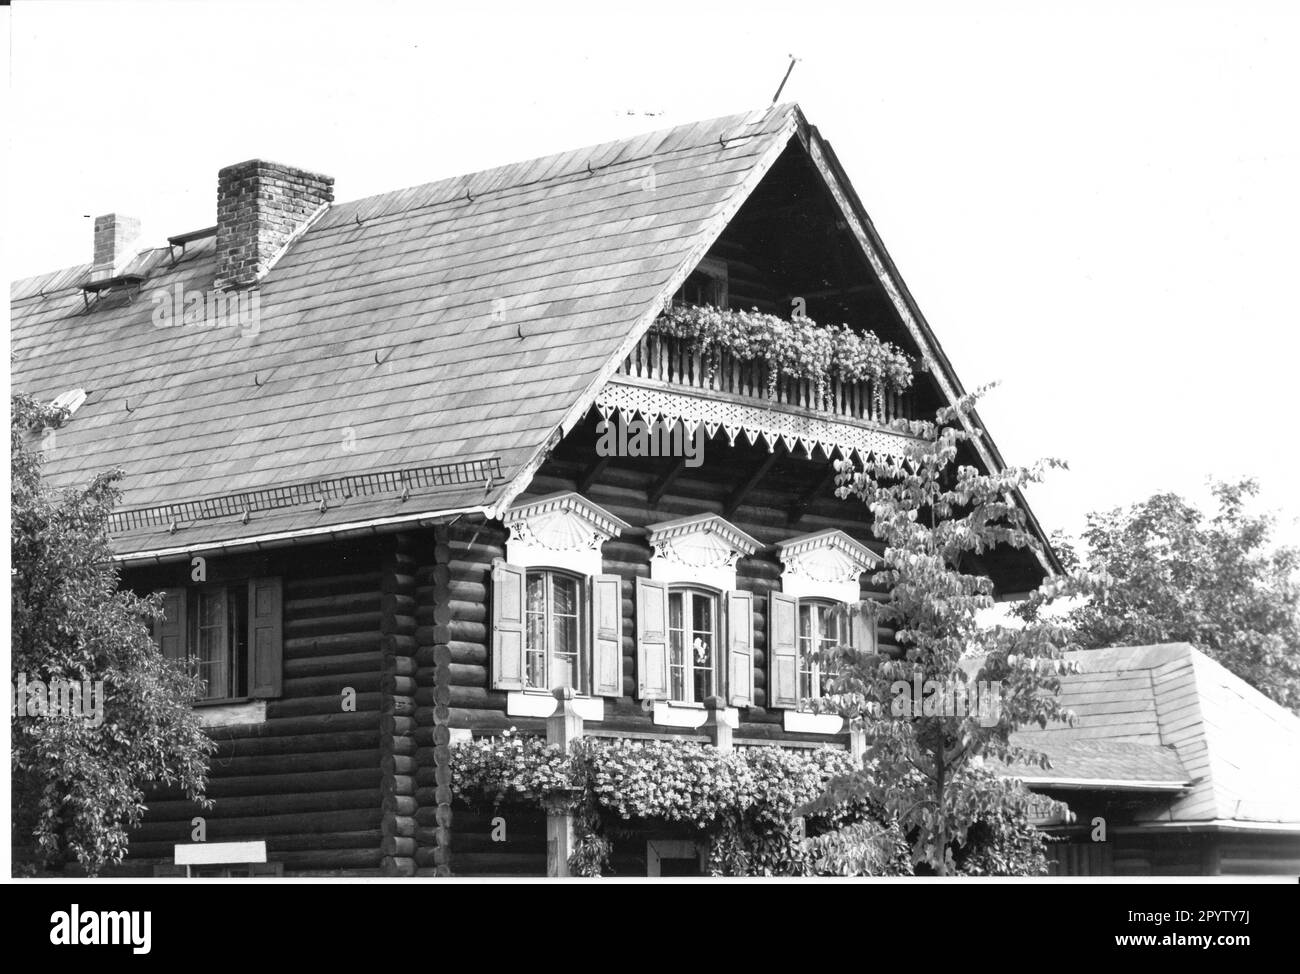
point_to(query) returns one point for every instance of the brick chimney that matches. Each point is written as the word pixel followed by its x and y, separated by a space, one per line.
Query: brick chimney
pixel 260 206
pixel 115 237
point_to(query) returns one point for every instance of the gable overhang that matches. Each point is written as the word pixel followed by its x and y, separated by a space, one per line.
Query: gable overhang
pixel 796 127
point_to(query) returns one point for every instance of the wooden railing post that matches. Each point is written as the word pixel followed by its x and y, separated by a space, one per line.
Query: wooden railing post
pixel 717 723
pixel 563 727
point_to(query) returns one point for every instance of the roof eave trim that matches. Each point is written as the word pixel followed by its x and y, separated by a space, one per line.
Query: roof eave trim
pixel 1105 784
pixel 1212 825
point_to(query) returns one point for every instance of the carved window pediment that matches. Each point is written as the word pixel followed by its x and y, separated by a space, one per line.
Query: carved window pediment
pixel 703 548
pixel 825 564
pixel 563 530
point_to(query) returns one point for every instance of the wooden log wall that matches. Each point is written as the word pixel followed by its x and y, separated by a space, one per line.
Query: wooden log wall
pixel 467 550
pixel 313 779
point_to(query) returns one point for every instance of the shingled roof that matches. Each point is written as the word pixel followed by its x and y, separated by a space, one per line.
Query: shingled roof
pixel 417 352
pixel 1169 718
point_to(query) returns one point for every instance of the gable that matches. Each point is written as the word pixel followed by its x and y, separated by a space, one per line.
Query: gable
pixel 417 353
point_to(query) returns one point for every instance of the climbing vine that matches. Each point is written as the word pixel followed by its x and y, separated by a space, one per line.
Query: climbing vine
pixel 741 804
pixel 799 348
pixel 758 811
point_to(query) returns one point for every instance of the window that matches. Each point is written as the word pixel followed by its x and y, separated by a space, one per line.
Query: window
pixel 553 635
pixel 219 650
pixel 821 629
pixel 707 284
pixel 230 634
pixel 797 629
pixel 692 644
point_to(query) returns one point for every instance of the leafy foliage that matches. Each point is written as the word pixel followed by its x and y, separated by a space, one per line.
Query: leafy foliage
pixel 799 348
pixel 925 769
pixel 742 803
pixel 79 787
pixel 1176 575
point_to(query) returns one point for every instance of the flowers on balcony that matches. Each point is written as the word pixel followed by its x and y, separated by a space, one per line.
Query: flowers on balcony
pixel 799 348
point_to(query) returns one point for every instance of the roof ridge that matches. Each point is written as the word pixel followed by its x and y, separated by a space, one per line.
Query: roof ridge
pixel 774 112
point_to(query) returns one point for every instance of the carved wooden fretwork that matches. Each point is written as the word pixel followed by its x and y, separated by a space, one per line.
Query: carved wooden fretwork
pixel 756 422
pixel 825 564
pixel 703 549
pixel 563 530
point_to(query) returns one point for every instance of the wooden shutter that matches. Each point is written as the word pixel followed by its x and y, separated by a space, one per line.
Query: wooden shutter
pixel 265 637
pixel 740 649
pixel 508 585
pixel 651 639
pixel 607 635
pixel 862 630
pixel 782 651
pixel 169 630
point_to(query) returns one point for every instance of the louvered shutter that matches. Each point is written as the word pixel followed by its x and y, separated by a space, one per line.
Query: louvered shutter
pixel 740 649
pixel 265 637
pixel 607 635
pixel 651 639
pixel 782 651
pixel 169 630
pixel 508 595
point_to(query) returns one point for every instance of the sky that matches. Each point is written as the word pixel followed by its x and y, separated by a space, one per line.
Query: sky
pixel 1094 204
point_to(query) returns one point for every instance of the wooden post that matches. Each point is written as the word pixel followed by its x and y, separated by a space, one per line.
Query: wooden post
pixel 717 723
pixel 563 727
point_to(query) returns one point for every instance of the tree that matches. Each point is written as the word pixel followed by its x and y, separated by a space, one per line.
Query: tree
pixel 928 761
pixel 1217 582
pixel 79 777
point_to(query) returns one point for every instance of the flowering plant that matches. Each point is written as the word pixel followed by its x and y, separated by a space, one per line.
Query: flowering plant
pixel 799 347
pixel 741 803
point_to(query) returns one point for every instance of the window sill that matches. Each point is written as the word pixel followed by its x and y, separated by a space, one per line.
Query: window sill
pixel 689 715
pixel 222 701
pixel 537 703
pixel 802 722
pixel 230 713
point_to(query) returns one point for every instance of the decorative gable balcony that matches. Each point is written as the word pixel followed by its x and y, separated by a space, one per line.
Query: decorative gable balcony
pixel 667 380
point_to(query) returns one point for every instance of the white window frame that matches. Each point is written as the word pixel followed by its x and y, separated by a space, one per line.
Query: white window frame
pixel 583 637
pixel 691 592
pixel 822 567
pixel 813 667
pixel 561 533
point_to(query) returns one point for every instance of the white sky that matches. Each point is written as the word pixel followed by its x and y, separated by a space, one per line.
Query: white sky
pixel 1096 206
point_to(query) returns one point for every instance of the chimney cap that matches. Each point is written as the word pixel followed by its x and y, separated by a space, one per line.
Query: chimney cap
pixel 259 163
